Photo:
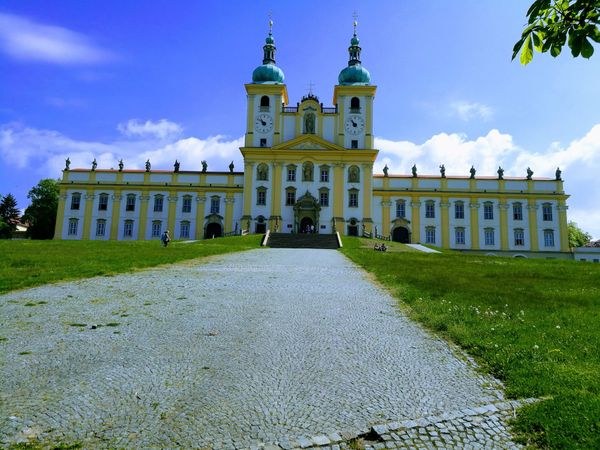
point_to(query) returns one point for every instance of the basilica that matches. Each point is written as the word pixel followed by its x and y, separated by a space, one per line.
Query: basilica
pixel 309 168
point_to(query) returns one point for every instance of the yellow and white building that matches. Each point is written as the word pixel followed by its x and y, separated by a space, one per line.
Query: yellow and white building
pixel 310 167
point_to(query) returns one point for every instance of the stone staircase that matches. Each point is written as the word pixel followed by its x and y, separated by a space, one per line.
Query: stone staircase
pixel 287 240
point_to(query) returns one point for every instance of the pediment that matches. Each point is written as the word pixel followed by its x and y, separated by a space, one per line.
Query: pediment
pixel 308 142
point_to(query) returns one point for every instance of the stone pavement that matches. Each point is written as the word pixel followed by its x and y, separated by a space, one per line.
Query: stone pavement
pixel 271 348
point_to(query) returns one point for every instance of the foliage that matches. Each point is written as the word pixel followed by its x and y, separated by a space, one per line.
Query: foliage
pixel 533 323
pixel 9 215
pixel 41 214
pixel 552 23
pixel 577 237
pixel 27 263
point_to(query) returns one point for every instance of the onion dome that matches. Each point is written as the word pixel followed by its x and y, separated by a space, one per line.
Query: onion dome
pixel 355 73
pixel 268 72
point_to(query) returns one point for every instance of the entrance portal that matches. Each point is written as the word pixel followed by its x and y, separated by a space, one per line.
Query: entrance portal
pixel 306 224
pixel 213 230
pixel 400 234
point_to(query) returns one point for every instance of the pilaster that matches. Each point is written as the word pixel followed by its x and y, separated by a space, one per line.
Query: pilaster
pixel 533 226
pixel 200 202
pixel 474 217
pixel 248 175
pixel 338 191
pixel 416 220
pixel 87 215
pixel 144 199
pixel 60 214
pixel 276 188
pixel 172 211
pixel 367 195
pixel 385 217
pixel 444 206
pixel 563 226
pixel 503 207
pixel 116 215
pixel 229 201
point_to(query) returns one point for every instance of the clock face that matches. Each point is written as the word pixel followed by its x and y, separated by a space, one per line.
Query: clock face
pixel 263 123
pixel 355 124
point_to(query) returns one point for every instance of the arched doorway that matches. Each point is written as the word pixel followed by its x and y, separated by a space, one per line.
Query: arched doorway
pixel 213 230
pixel 401 234
pixel 307 225
pixel 353 227
pixel 261 225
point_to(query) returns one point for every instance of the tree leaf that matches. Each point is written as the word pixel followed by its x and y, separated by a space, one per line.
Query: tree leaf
pixel 587 49
pixel 537 42
pixel 555 50
pixel 517 47
pixel 527 51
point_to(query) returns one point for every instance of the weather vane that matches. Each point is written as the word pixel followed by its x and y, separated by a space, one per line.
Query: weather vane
pixel 270 22
pixel 310 88
pixel 355 15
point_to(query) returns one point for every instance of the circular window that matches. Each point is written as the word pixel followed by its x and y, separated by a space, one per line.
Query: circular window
pixel 260 219
pixel 352 222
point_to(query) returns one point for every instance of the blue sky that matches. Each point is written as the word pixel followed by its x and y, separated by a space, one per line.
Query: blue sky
pixel 164 80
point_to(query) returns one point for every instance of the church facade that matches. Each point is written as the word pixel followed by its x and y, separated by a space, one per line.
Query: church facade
pixel 309 168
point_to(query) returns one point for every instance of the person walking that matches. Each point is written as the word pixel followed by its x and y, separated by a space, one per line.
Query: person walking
pixel 165 238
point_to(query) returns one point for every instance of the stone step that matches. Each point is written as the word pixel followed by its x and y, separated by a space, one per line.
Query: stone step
pixel 288 240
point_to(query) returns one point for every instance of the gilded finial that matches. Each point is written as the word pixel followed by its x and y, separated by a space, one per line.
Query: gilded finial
pixel 270 22
pixel 355 15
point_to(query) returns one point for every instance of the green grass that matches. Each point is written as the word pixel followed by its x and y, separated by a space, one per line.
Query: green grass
pixel 26 263
pixel 533 323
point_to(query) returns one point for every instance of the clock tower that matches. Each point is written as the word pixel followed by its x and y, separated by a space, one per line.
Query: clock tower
pixel 266 95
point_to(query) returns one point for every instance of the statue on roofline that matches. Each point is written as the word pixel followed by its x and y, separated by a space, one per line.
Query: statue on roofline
pixel 500 173
pixel 148 166
pixel 94 165
pixel 176 166
pixel 558 174
pixel 67 164
pixel 443 171
pixel 529 173
pixel 121 165
pixel 472 172
pixel 204 166
pixel 414 170
pixel 231 167
pixel 385 171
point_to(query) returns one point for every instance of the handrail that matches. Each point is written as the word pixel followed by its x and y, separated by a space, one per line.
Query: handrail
pixel 265 239
pixel 339 239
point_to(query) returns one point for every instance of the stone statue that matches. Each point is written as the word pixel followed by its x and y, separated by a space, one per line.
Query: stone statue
pixel 307 172
pixel 309 123
pixel 472 171
pixel 121 165
pixel 231 166
pixel 67 164
pixel 529 173
pixel 94 165
pixel 414 171
pixel 148 166
pixel 262 172
pixel 443 171
pixel 204 166
pixel 176 166
pixel 558 174
pixel 500 173
pixel 385 171
pixel 353 174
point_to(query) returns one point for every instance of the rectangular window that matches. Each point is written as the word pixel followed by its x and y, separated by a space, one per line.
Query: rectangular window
pixel 401 209
pixel 430 235
pixel 489 236
pixel 263 142
pixel 73 227
pixel 100 227
pixel 156 228
pixel 158 203
pixel 549 238
pixel 290 197
pixel 354 143
pixel 103 202
pixel 261 198
pixel 488 211
pixel 325 175
pixel 517 211
pixel 215 203
pixel 75 201
pixel 128 228
pixel 459 210
pixel 291 175
pixel 130 205
pixel 519 237
pixel 353 200
pixel 430 210
pixel 459 236
pixel 186 206
pixel 184 230
pixel 547 213
pixel 324 198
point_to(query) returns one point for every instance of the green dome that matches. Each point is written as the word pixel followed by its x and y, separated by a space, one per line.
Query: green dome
pixel 268 73
pixel 354 40
pixel 355 74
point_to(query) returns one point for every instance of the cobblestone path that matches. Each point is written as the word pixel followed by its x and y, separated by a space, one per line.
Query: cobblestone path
pixel 270 348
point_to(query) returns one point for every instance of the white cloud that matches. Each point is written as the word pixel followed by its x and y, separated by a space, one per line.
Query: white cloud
pixel 24 39
pixel 161 129
pixel 467 111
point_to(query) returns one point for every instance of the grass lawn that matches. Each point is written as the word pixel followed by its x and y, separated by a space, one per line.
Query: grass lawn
pixel 25 263
pixel 533 323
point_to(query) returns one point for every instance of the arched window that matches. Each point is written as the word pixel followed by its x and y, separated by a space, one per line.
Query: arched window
pixel 75 200
pixel 488 211
pixel 158 202
pixel 73 223
pixel 103 202
pixel 353 174
pixel 430 209
pixel 264 103
pixel 130 205
pixel 517 211
pixel 262 172
pixel 261 195
pixel 354 105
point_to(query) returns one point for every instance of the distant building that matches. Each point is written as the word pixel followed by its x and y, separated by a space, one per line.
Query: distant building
pixel 309 166
pixel 589 252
